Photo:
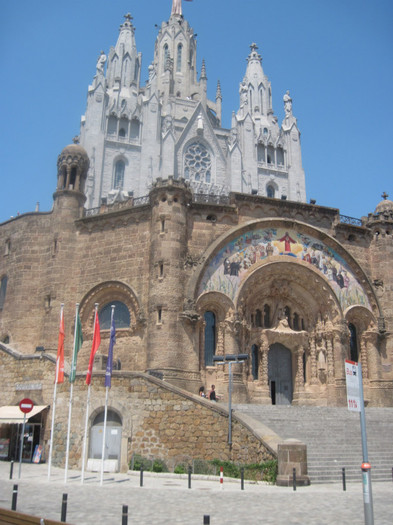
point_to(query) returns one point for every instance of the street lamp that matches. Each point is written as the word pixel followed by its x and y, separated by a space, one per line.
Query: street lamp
pixel 223 360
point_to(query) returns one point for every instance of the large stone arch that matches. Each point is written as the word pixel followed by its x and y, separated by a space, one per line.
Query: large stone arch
pixel 356 290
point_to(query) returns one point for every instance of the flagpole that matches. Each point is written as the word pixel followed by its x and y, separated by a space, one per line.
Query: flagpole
pixel 54 403
pixel 71 391
pixel 87 406
pixel 85 434
pixel 103 437
pixel 106 400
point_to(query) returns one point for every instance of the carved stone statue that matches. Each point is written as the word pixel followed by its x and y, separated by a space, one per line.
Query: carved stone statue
pixel 101 63
pixel 287 104
pixel 176 7
pixel 243 91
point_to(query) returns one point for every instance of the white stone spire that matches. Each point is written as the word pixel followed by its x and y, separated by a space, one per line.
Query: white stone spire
pixel 255 89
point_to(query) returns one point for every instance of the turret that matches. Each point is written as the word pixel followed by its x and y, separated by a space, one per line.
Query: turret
pixel 72 167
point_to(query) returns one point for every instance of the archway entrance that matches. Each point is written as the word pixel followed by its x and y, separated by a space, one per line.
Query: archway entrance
pixel 112 437
pixel 280 374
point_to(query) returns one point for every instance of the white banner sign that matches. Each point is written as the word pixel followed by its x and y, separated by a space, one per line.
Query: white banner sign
pixel 353 388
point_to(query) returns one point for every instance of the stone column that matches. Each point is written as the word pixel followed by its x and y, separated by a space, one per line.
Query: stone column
pixel 330 358
pixel 373 355
pixel 220 339
pixel 263 365
pixel 363 358
pixel 300 370
pixel 313 362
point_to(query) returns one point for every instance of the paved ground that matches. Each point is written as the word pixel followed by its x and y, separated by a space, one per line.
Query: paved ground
pixel 165 499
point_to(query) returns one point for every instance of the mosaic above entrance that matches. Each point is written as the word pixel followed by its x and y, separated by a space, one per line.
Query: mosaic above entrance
pixel 228 268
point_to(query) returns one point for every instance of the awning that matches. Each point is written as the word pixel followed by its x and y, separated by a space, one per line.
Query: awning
pixel 14 415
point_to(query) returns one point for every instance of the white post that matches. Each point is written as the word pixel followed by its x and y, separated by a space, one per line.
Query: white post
pixel 22 437
pixel 85 434
pixel 54 406
pixel 70 405
pixel 106 411
pixel 104 434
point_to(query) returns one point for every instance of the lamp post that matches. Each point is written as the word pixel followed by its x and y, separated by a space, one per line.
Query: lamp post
pixel 223 360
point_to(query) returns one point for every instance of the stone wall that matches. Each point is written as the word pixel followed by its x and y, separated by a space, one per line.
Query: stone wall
pixel 158 420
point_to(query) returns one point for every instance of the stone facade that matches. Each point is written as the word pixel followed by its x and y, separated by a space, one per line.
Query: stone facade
pixel 194 271
pixel 159 421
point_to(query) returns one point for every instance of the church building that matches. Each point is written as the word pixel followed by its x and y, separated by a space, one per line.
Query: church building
pixel 203 240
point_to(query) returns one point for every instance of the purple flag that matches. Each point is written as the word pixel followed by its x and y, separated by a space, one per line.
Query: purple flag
pixel 109 363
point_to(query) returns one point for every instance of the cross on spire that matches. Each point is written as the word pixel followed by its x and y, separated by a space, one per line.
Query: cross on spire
pixel 384 195
pixel 128 17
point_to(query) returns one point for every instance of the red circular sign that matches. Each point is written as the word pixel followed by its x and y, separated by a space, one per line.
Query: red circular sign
pixel 26 405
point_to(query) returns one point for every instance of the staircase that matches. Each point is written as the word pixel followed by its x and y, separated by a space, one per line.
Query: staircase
pixel 333 438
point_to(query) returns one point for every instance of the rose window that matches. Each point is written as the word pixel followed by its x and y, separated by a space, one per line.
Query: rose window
pixel 197 163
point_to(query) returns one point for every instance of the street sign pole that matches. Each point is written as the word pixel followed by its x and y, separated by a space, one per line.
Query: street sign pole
pixel 26 406
pixel 21 444
pixel 355 398
pixel 366 467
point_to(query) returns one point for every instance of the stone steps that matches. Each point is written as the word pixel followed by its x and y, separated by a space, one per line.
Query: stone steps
pixel 333 438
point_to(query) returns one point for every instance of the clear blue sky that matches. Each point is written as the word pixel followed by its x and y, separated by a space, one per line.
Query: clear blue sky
pixel 335 57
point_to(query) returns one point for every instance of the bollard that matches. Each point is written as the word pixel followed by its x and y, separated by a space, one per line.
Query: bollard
pixel 42 521
pixel 141 477
pixel 294 479
pixel 64 508
pixel 11 468
pixel 124 517
pixel 344 483
pixel 189 476
pixel 242 478
pixel 221 478
pixel 14 497
pixel 206 520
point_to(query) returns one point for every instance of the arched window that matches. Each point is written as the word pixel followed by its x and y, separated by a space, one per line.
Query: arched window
pixel 287 313
pixel 280 156
pixel 261 153
pixel 266 316
pixel 296 321
pixel 197 163
pixel 119 175
pixel 135 128
pixel 166 55
pixel 112 125
pixel 210 337
pixel 73 178
pixel 123 127
pixel 270 191
pixel 3 289
pixel 121 315
pixel 270 155
pixel 258 318
pixel 254 361
pixel 136 70
pixel 353 343
pixel 179 53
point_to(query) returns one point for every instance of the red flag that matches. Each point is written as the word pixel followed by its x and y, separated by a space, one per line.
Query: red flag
pixel 60 351
pixel 94 348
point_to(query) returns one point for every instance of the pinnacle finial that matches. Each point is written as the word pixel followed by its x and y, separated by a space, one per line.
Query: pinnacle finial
pixel 203 70
pixel 384 195
pixel 218 91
